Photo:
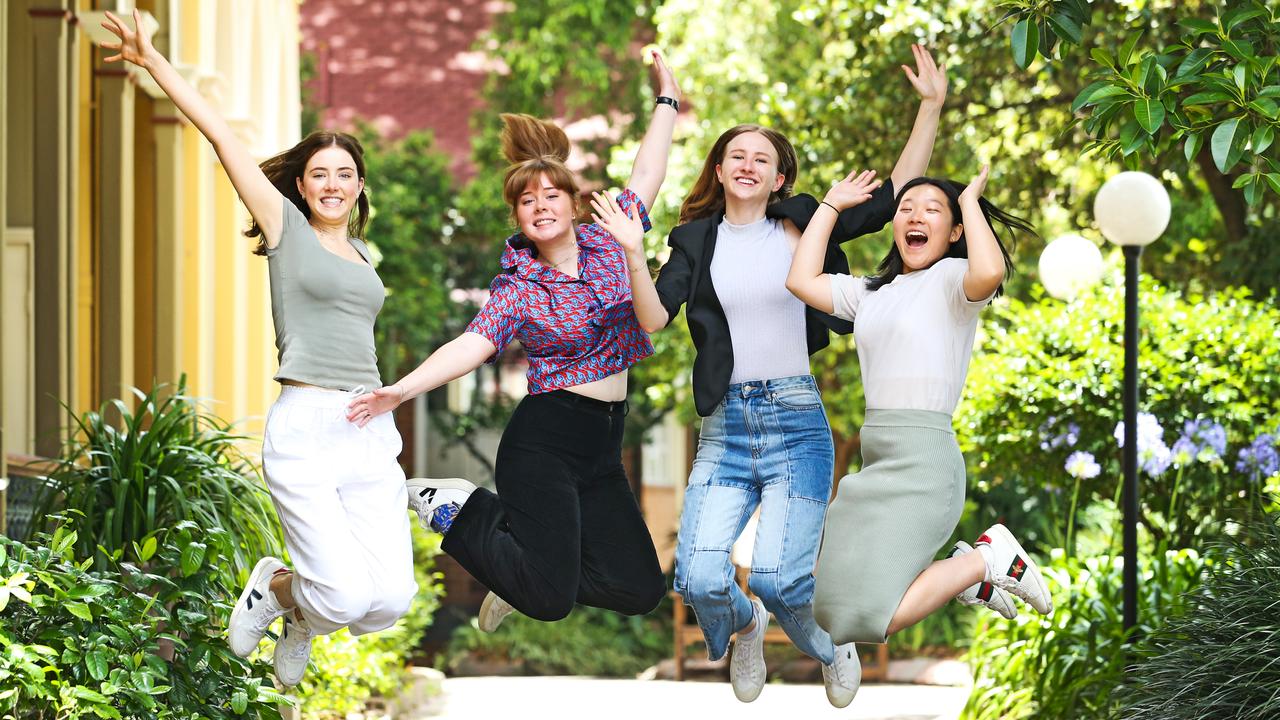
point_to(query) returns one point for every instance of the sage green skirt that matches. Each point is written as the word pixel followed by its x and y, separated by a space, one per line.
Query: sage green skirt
pixel 887 522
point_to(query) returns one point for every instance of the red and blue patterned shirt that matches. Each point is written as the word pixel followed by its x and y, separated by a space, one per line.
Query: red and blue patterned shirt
pixel 574 330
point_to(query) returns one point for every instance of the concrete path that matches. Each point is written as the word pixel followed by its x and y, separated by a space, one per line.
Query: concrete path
pixel 570 698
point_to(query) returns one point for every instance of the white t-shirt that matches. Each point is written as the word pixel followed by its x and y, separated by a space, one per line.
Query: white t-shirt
pixel 914 335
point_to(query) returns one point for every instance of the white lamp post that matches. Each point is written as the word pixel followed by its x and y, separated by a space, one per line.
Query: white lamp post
pixel 1132 209
pixel 1068 265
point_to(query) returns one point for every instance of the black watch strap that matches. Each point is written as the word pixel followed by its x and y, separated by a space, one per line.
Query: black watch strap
pixel 664 100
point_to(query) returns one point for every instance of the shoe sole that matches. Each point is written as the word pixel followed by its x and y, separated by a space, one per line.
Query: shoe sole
pixel 484 612
pixel 763 627
pixel 242 601
pixel 1032 568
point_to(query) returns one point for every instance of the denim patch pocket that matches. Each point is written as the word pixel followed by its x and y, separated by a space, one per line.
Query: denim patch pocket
pixel 798 397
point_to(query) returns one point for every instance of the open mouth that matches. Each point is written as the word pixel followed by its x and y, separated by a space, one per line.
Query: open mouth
pixel 746 181
pixel 916 239
pixel 331 202
pixel 543 222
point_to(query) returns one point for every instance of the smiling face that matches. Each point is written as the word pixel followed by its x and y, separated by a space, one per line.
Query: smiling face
pixel 544 212
pixel 923 227
pixel 331 185
pixel 749 169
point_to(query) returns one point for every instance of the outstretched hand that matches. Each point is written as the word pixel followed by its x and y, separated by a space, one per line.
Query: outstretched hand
pixel 853 190
pixel 135 44
pixel 372 404
pixel 976 186
pixel 664 78
pixel 929 80
pixel 624 225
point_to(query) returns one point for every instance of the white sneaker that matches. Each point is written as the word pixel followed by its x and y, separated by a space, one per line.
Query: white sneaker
pixel 437 502
pixel 492 611
pixel 256 609
pixel 984 593
pixel 746 667
pixel 293 650
pixel 1010 568
pixel 843 676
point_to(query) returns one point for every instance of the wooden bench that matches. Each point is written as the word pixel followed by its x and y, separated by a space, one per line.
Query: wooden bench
pixel 875 658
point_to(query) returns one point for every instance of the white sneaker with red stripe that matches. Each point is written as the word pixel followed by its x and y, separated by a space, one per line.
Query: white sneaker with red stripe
pixel 984 593
pixel 1010 568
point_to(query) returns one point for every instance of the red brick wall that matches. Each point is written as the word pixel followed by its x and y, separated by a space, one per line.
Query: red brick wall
pixel 401 65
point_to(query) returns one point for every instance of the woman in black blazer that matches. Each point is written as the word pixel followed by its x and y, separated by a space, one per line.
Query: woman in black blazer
pixel 765 440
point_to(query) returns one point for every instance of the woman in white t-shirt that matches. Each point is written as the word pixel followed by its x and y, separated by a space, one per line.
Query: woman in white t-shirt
pixel 914 326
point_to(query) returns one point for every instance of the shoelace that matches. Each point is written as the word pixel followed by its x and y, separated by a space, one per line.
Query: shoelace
pixel 299 644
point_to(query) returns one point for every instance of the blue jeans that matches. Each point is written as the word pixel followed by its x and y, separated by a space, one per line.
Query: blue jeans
pixel 768 444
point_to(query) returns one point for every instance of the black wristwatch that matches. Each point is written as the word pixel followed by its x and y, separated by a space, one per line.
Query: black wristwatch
pixel 664 100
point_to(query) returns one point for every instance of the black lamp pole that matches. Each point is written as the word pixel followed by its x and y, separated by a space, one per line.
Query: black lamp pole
pixel 1129 496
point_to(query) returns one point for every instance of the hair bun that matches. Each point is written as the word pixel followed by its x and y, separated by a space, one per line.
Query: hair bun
pixel 526 138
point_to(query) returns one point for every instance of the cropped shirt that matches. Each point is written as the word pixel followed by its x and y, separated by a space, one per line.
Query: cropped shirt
pixel 574 330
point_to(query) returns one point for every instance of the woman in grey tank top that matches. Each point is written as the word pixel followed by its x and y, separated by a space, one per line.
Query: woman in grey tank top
pixel 337 487
pixel 765 442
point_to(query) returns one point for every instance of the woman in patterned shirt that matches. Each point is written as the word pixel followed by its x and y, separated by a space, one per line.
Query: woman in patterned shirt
pixel 564 527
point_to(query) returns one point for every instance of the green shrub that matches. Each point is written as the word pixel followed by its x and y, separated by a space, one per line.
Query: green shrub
pixel 1069 664
pixel 590 641
pixel 1219 658
pixel 1046 383
pixel 133 472
pixel 75 643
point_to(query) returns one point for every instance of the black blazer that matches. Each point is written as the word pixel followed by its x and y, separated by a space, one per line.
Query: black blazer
pixel 686 278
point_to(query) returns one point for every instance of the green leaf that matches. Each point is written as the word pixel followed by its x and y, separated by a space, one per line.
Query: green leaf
pixel 1149 113
pixel 81 692
pixel 1262 138
pixel 97 662
pixel 1243 180
pixel 1198 27
pixel 1026 38
pixel 1235 17
pixel 1208 97
pixel 80 610
pixel 1273 179
pixel 1194 62
pixel 1266 107
pixel 1131 138
pixel 1241 50
pixel 239 702
pixel 1102 57
pixel 148 549
pixel 1253 192
pixel 1095 92
pixel 1224 138
pixel 4 554
pixel 192 558
pixel 1126 50
pixel 1065 27
pixel 1191 148
pixel 1241 75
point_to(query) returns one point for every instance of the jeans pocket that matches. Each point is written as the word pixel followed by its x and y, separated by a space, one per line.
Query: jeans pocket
pixel 798 397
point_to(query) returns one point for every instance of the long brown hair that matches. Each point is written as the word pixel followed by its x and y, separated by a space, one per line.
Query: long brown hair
pixel 707 196
pixel 534 147
pixel 283 171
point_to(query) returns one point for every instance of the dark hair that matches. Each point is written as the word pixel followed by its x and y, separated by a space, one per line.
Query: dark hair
pixel 706 198
pixel 534 147
pixel 283 171
pixel 891 266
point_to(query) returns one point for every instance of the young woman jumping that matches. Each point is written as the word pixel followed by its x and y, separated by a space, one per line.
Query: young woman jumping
pixel 564 526
pixel 337 488
pixel 914 326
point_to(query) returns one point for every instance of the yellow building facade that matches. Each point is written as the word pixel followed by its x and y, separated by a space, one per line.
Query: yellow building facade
pixel 123 261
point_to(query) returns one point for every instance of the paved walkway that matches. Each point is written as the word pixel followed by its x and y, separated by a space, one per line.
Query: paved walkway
pixel 570 698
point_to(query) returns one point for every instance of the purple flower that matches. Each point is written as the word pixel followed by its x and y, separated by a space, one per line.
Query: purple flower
pixel 1184 451
pixel 1080 464
pixel 1207 437
pixel 1153 455
pixel 1260 459
pixel 1065 439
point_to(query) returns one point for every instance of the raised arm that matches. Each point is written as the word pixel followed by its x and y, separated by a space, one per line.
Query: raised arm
pixel 265 203
pixel 650 166
pixel 930 82
pixel 806 280
pixel 449 362
pixel 986 262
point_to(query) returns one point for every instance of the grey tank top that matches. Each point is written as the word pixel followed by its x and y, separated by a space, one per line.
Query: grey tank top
pixel 323 306
pixel 766 322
